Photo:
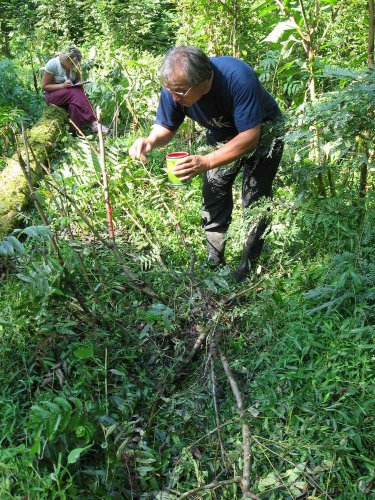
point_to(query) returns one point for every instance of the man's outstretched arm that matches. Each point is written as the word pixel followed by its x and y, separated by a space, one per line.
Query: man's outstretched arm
pixel 158 137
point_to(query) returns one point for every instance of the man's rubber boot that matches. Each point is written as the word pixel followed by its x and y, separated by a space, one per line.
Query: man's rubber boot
pixel 250 253
pixel 215 247
pixel 242 271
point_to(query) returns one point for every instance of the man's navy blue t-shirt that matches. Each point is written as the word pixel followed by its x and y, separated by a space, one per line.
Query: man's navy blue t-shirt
pixel 236 102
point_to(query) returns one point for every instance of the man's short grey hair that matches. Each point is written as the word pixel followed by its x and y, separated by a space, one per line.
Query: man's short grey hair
pixel 195 65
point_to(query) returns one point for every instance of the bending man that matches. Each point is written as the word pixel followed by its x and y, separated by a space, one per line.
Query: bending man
pixel 224 95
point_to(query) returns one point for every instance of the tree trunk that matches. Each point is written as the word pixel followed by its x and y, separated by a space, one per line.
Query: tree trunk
pixel 370 45
pixel 312 94
pixel 14 194
pixel 5 46
pixel 363 148
pixel 370 62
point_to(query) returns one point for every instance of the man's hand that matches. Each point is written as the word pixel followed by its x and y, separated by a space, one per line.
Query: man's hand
pixel 190 166
pixel 67 83
pixel 140 148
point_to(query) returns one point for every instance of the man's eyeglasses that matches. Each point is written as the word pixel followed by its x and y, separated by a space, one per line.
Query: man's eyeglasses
pixel 179 94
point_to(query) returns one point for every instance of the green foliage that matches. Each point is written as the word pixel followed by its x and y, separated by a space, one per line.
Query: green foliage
pixel 85 397
pixel 138 25
pixel 53 424
pixel 344 121
pixel 299 343
pixel 14 94
pixel 10 246
pixel 17 104
pixel 125 85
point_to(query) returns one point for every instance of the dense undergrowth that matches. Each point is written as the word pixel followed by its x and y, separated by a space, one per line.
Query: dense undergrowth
pixel 96 397
pixel 91 407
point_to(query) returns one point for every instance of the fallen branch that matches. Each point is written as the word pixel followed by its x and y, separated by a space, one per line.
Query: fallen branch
pixel 180 372
pixel 213 350
pixel 245 483
pixel 105 178
pixel 197 345
pixel 210 486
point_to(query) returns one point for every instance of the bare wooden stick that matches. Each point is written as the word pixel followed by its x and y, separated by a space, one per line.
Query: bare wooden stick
pixel 105 177
pixel 197 345
pixel 213 350
pixel 187 360
pixel 245 483
pixel 210 486
pixel 180 371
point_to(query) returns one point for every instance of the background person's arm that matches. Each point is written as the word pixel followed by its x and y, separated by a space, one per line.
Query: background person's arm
pixel 235 148
pixel 50 86
pixel 158 137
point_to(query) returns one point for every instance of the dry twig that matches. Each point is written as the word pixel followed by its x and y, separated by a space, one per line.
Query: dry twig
pixel 213 350
pixel 245 483
pixel 105 178
pixel 210 486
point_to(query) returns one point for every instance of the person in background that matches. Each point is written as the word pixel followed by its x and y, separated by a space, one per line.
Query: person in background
pixel 60 74
pixel 224 95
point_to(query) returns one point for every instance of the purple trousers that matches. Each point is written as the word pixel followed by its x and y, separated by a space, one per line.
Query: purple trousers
pixel 74 100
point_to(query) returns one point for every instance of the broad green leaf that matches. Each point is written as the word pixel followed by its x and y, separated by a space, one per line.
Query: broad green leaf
pixel 259 3
pixel 17 245
pixel 85 352
pixel 38 232
pixel 3 322
pixel 6 248
pixel 267 10
pixel 75 454
pixel 279 30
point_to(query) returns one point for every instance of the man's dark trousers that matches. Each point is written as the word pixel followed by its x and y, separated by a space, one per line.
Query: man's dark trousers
pixel 258 175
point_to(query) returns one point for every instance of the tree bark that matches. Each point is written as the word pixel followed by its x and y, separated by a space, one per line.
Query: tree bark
pixel 14 193
pixel 370 45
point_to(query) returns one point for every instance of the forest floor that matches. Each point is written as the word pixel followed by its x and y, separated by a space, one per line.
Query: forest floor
pixel 104 391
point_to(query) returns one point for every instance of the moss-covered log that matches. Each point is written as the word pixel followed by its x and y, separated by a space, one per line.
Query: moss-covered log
pixel 14 194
